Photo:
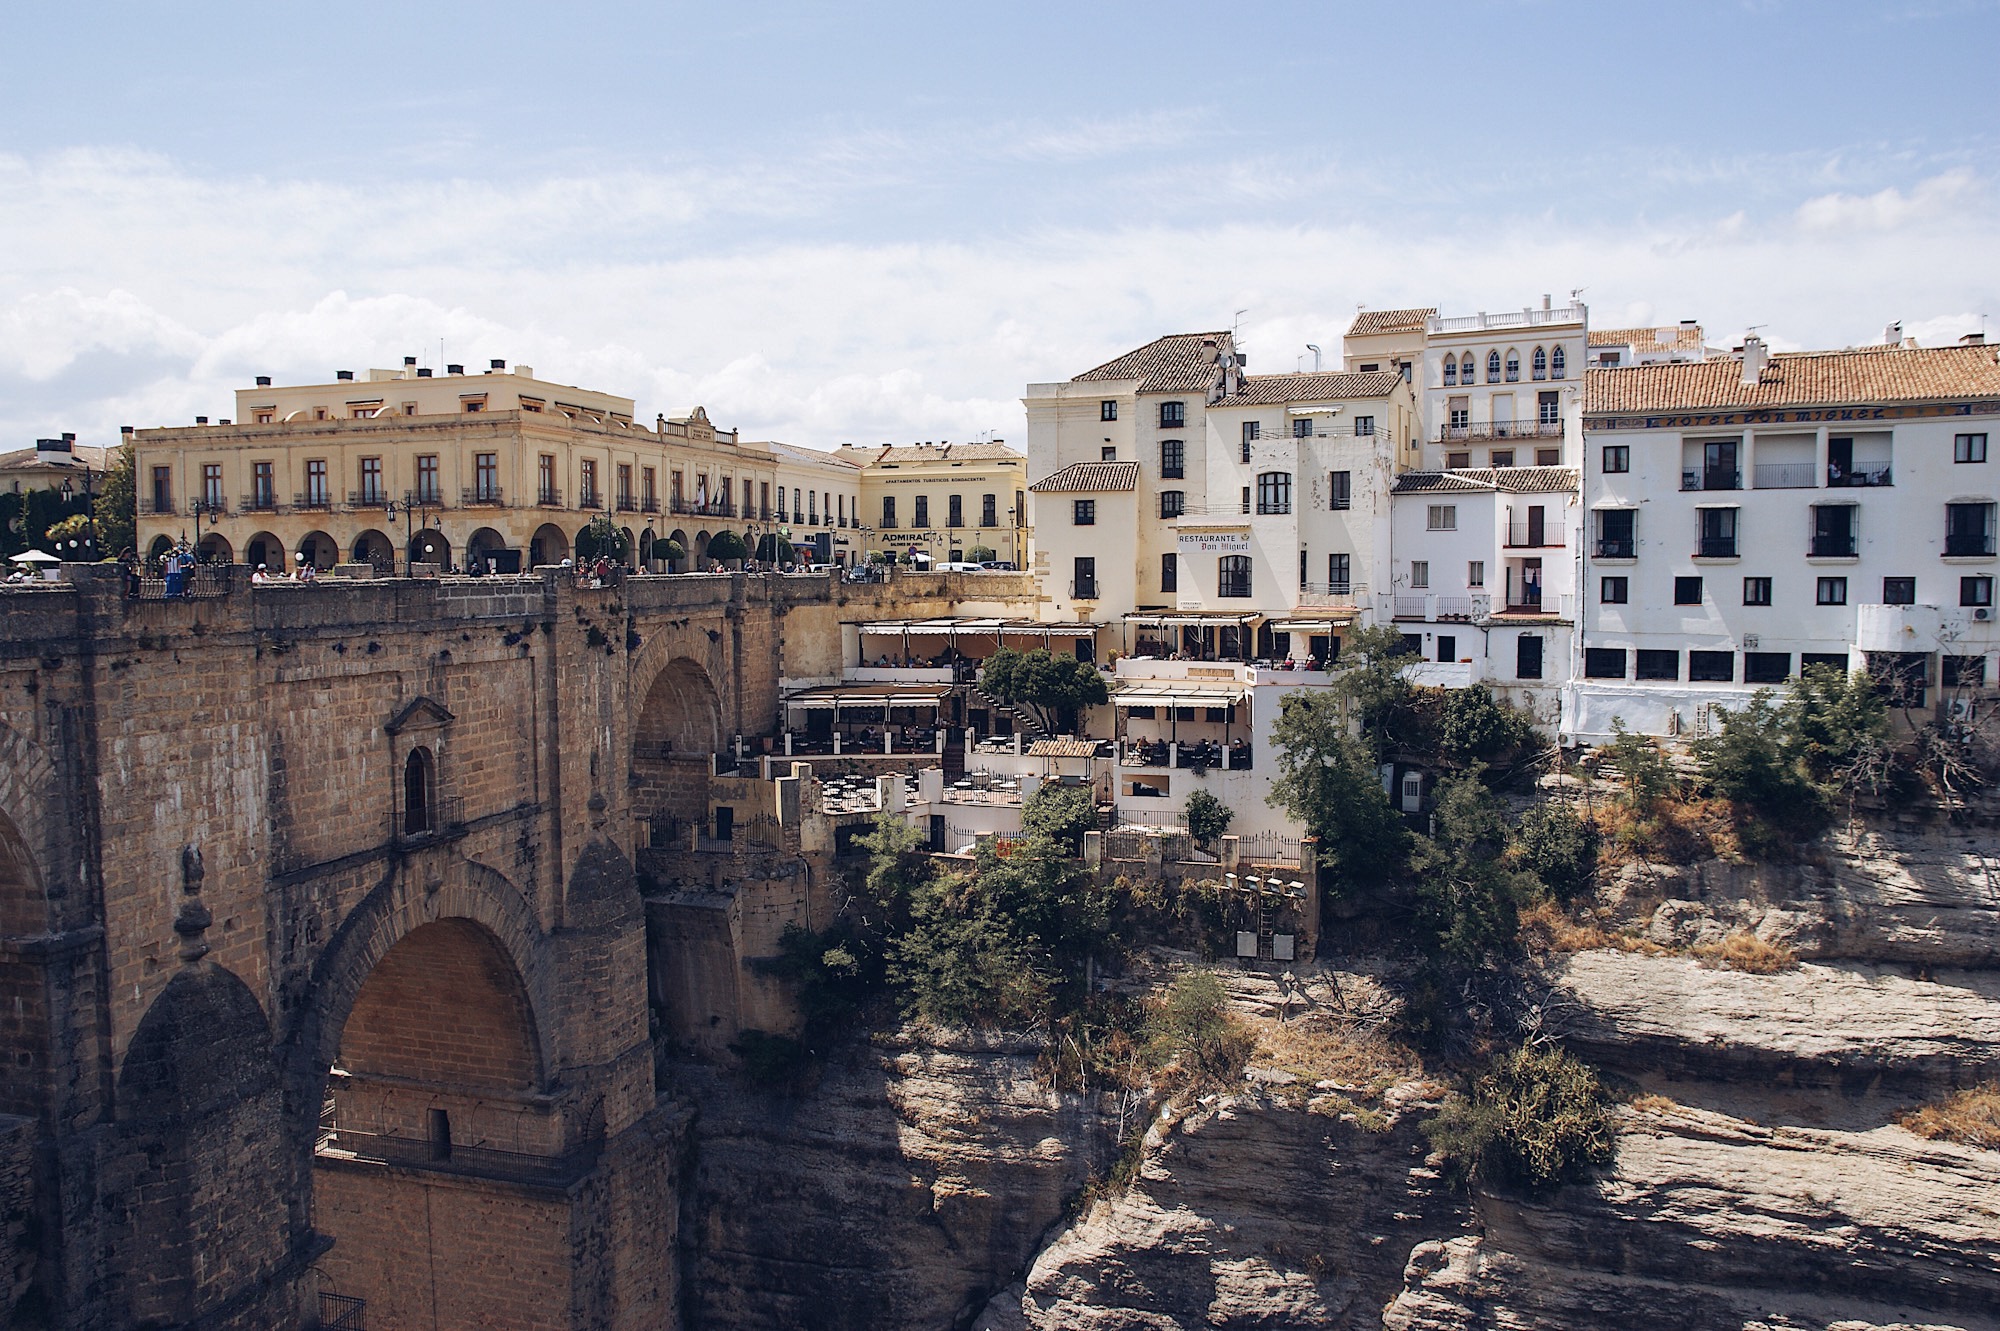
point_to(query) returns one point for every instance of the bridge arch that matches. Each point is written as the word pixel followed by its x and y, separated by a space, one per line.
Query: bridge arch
pixel 681 712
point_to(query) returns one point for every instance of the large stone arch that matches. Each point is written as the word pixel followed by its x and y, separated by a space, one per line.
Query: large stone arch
pixel 680 712
pixel 204 1176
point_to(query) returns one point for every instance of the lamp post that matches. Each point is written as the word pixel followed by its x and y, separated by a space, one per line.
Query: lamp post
pixel 416 510
pixel 89 504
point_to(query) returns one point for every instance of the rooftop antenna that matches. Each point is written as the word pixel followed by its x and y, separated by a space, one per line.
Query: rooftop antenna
pixel 1315 351
pixel 1237 322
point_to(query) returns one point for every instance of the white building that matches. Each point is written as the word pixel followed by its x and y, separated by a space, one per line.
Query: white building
pixel 1673 344
pixel 1753 515
pixel 818 504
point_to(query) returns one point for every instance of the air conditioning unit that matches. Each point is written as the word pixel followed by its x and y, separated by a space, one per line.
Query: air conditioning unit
pixel 1750 641
pixel 1983 613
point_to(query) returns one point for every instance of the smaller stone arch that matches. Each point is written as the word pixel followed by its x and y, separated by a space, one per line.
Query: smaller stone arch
pixel 266 550
pixel 646 543
pixel 482 545
pixel 430 546
pixel 159 550
pixel 547 546
pixel 317 549
pixel 700 551
pixel 215 549
pixel 631 542
pixel 372 547
pixel 679 537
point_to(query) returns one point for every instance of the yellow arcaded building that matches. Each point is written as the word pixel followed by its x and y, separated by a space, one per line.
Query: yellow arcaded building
pixel 944 500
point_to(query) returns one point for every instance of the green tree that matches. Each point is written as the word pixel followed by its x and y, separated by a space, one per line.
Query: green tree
pixel 898 868
pixel 1063 813
pixel 675 553
pixel 1207 817
pixel 75 527
pixel 1327 780
pixel 1839 726
pixel 1476 727
pixel 726 546
pixel 1644 770
pixel 600 538
pixel 980 554
pixel 1060 684
pixel 1369 673
pixel 963 963
pixel 1559 847
pixel 1535 1119
pixel 1468 897
pixel 1190 1031
pixel 1749 761
pixel 118 504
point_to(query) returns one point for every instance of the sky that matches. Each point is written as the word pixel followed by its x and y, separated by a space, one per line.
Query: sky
pixel 877 222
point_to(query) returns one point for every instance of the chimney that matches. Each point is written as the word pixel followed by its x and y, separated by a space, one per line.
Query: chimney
pixel 263 381
pixel 424 373
pixel 454 369
pixel 201 420
pixel 1545 300
pixel 525 371
pixel 497 366
pixel 344 376
pixel 126 429
pixel 1973 340
pixel 1893 334
pixel 409 367
pixel 223 421
pixel 52 446
pixel 1753 360
pixel 69 437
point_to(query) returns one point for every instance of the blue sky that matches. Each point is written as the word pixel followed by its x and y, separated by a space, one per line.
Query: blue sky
pixel 877 222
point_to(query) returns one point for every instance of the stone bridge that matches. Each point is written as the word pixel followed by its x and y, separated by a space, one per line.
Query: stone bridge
pixel 322 963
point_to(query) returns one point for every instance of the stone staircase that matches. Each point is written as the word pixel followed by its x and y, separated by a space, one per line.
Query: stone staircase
pixel 1025 720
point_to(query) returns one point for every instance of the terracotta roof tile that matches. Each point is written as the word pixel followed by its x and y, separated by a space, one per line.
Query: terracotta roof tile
pixel 1063 748
pixel 1177 363
pixel 1087 477
pixel 1867 377
pixel 1678 337
pixel 1389 321
pixel 1508 480
pixel 908 454
pixel 1269 389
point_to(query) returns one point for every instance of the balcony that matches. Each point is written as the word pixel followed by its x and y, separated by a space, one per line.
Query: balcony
pixel 1617 547
pixel 159 507
pixel 214 506
pixel 586 499
pixel 371 498
pixel 1864 476
pixel 1715 547
pixel 425 496
pixel 259 503
pixel 1833 545
pixel 1452 434
pixel 549 496
pixel 1783 475
pixel 627 504
pixel 1085 589
pixel 1967 545
pixel 1340 594
pixel 706 508
pixel 313 499
pixel 1712 478
pixel 1536 535
pixel 487 496
pixel 1526 318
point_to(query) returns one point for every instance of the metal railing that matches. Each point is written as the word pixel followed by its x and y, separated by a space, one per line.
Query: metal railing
pixel 1085 589
pixel 1960 544
pixel 1833 545
pixel 367 498
pixel 627 504
pixel 1784 475
pixel 1269 848
pixel 586 499
pixel 1454 607
pixel 549 496
pixel 1528 318
pixel 1717 478
pixel 1862 476
pixel 159 507
pixel 313 499
pixel 342 1312
pixel 201 583
pixel 1412 607
pixel 1715 547
pixel 650 504
pixel 1536 535
pixel 259 503
pixel 1451 434
pixel 1617 547
pixel 482 494
pixel 1234 588
pixel 713 508
pixel 1333 593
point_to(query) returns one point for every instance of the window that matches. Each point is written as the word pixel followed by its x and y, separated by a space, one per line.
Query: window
pixel 1108 453
pixel 419 782
pixel 1085 586
pixel 1962 672
pixel 1687 591
pixel 1832 591
pixel 624 484
pixel 1441 517
pixel 1968 529
pixel 371 480
pixel 1834 532
pixel 1302 428
pixel 989 510
pixel 1338 568
pixel 1475 573
pixel 678 488
pixel 316 491
pixel 1492 367
pixel 1364 426
pixel 1538 364
pixel 1170 573
pixel 1756 591
pixel 1528 657
pixel 1975 591
pixel 1657 663
pixel 211 485
pixel 1173 415
pixel 1614 590
pixel 1712 667
pixel 921 511
pixel 954 511
pixel 1604 663
pixel 1232 576
pixel 1548 408
pixel 1502 457
pixel 1303 573
pixel 1020 510
pixel 1767 667
pixel 1558 363
pixel 1459 411
pixel 1823 661
pixel 1548 457
pixel 1083 512
pixel 781 503
pixel 1465 375
pixel 1513 366
pixel 1968 448
pixel 545 479
pixel 1107 411
pixel 1717 538
pixel 1370 368
pixel 1274 492
pixel 1457 461
pixel 1614 533
pixel 1243 451
pixel 840 502
pixel 263 491
pixel 1252 430
pixel 1451 371
pixel 586 484
pixel 1420 574
pixel 889 511
pixel 1173 459
pixel 1246 499
pixel 1340 489
pixel 427 477
pixel 1899 591
pixel 1173 503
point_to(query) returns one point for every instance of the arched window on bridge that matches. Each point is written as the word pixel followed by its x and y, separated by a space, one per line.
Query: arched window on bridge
pixel 419 792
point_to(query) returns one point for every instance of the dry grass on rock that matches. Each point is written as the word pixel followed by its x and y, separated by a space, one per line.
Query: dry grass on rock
pixel 1970 1118
pixel 1745 951
pixel 1546 929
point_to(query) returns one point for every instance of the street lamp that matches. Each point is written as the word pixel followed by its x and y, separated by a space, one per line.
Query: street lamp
pixel 89 504
pixel 415 506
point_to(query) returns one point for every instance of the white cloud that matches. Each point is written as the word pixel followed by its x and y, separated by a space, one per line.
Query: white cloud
pixel 1890 209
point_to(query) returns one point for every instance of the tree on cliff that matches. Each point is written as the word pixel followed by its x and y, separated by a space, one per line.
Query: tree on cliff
pixel 1062 813
pixel 1060 684
pixel 1327 780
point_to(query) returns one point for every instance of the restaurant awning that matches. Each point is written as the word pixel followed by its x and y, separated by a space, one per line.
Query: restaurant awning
pixel 1180 693
pixel 1315 624
pixel 952 627
pixel 869 695
pixel 1192 620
